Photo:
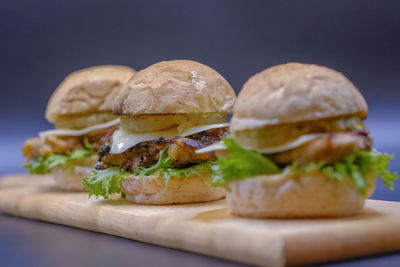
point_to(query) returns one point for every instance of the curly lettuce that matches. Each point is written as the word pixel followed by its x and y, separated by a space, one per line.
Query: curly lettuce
pixel 241 163
pixel 43 165
pixel 165 168
pixel 108 181
pixel 359 167
pixel 105 182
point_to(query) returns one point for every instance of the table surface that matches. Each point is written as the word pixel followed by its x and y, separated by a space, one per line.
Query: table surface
pixel 26 242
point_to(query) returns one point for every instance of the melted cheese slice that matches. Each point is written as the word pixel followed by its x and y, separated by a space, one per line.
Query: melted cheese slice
pixel 123 140
pixel 71 132
pixel 272 150
pixel 216 146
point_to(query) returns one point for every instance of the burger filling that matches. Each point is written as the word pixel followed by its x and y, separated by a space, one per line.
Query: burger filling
pixel 46 152
pixel 340 149
pixel 271 136
pixel 328 147
pixel 181 151
pixel 170 158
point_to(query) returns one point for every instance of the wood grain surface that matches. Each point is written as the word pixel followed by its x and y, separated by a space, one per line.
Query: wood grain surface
pixel 209 228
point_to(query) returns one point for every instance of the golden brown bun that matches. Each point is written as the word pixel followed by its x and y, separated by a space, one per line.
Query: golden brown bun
pixel 176 86
pixel 282 196
pixel 70 177
pixel 86 92
pixel 151 189
pixel 295 92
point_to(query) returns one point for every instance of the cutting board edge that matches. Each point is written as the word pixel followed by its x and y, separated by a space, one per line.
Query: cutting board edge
pixel 270 259
pixel 278 261
pixel 340 251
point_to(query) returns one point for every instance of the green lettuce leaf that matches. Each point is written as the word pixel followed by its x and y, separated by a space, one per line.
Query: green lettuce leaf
pixel 358 166
pixel 240 163
pixel 82 153
pixel 162 163
pixel 108 181
pixel 105 182
pixel 43 165
pixel 167 170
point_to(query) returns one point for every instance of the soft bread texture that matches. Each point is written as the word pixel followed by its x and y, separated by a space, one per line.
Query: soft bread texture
pixel 151 189
pixel 283 196
pixel 69 177
pixel 87 91
pixel 177 86
pixel 295 92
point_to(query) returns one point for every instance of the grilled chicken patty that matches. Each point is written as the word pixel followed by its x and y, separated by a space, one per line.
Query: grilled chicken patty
pixel 329 147
pixel 146 154
pixel 55 144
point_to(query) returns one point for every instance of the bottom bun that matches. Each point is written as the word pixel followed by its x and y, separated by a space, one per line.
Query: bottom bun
pixel 69 177
pixel 151 189
pixel 286 196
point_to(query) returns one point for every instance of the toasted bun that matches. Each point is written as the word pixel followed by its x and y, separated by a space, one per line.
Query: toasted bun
pixel 70 177
pixel 86 92
pixel 177 86
pixel 282 196
pixel 295 92
pixel 151 189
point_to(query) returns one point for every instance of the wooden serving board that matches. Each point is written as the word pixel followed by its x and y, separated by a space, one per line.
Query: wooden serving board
pixel 209 228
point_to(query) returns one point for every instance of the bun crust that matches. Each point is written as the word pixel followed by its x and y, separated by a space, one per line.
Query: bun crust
pixel 177 86
pixel 69 178
pixel 295 92
pixel 151 190
pixel 87 91
pixel 282 196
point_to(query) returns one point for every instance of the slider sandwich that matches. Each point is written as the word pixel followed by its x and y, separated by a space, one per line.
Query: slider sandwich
pixel 81 111
pixel 299 146
pixel 167 111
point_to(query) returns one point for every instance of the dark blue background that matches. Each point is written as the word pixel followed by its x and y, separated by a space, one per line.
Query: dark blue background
pixel 43 41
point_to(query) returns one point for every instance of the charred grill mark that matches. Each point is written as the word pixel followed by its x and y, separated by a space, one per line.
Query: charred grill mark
pixel 160 141
pixel 181 150
pixel 194 144
pixel 103 150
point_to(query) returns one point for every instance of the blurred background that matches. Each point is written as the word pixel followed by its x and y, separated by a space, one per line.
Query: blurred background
pixel 43 41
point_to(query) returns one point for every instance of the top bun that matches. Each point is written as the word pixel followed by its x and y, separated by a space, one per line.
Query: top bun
pixel 295 92
pixel 176 86
pixel 87 92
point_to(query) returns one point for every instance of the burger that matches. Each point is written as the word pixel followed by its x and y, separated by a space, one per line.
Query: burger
pixel 299 147
pixel 81 111
pixel 167 111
